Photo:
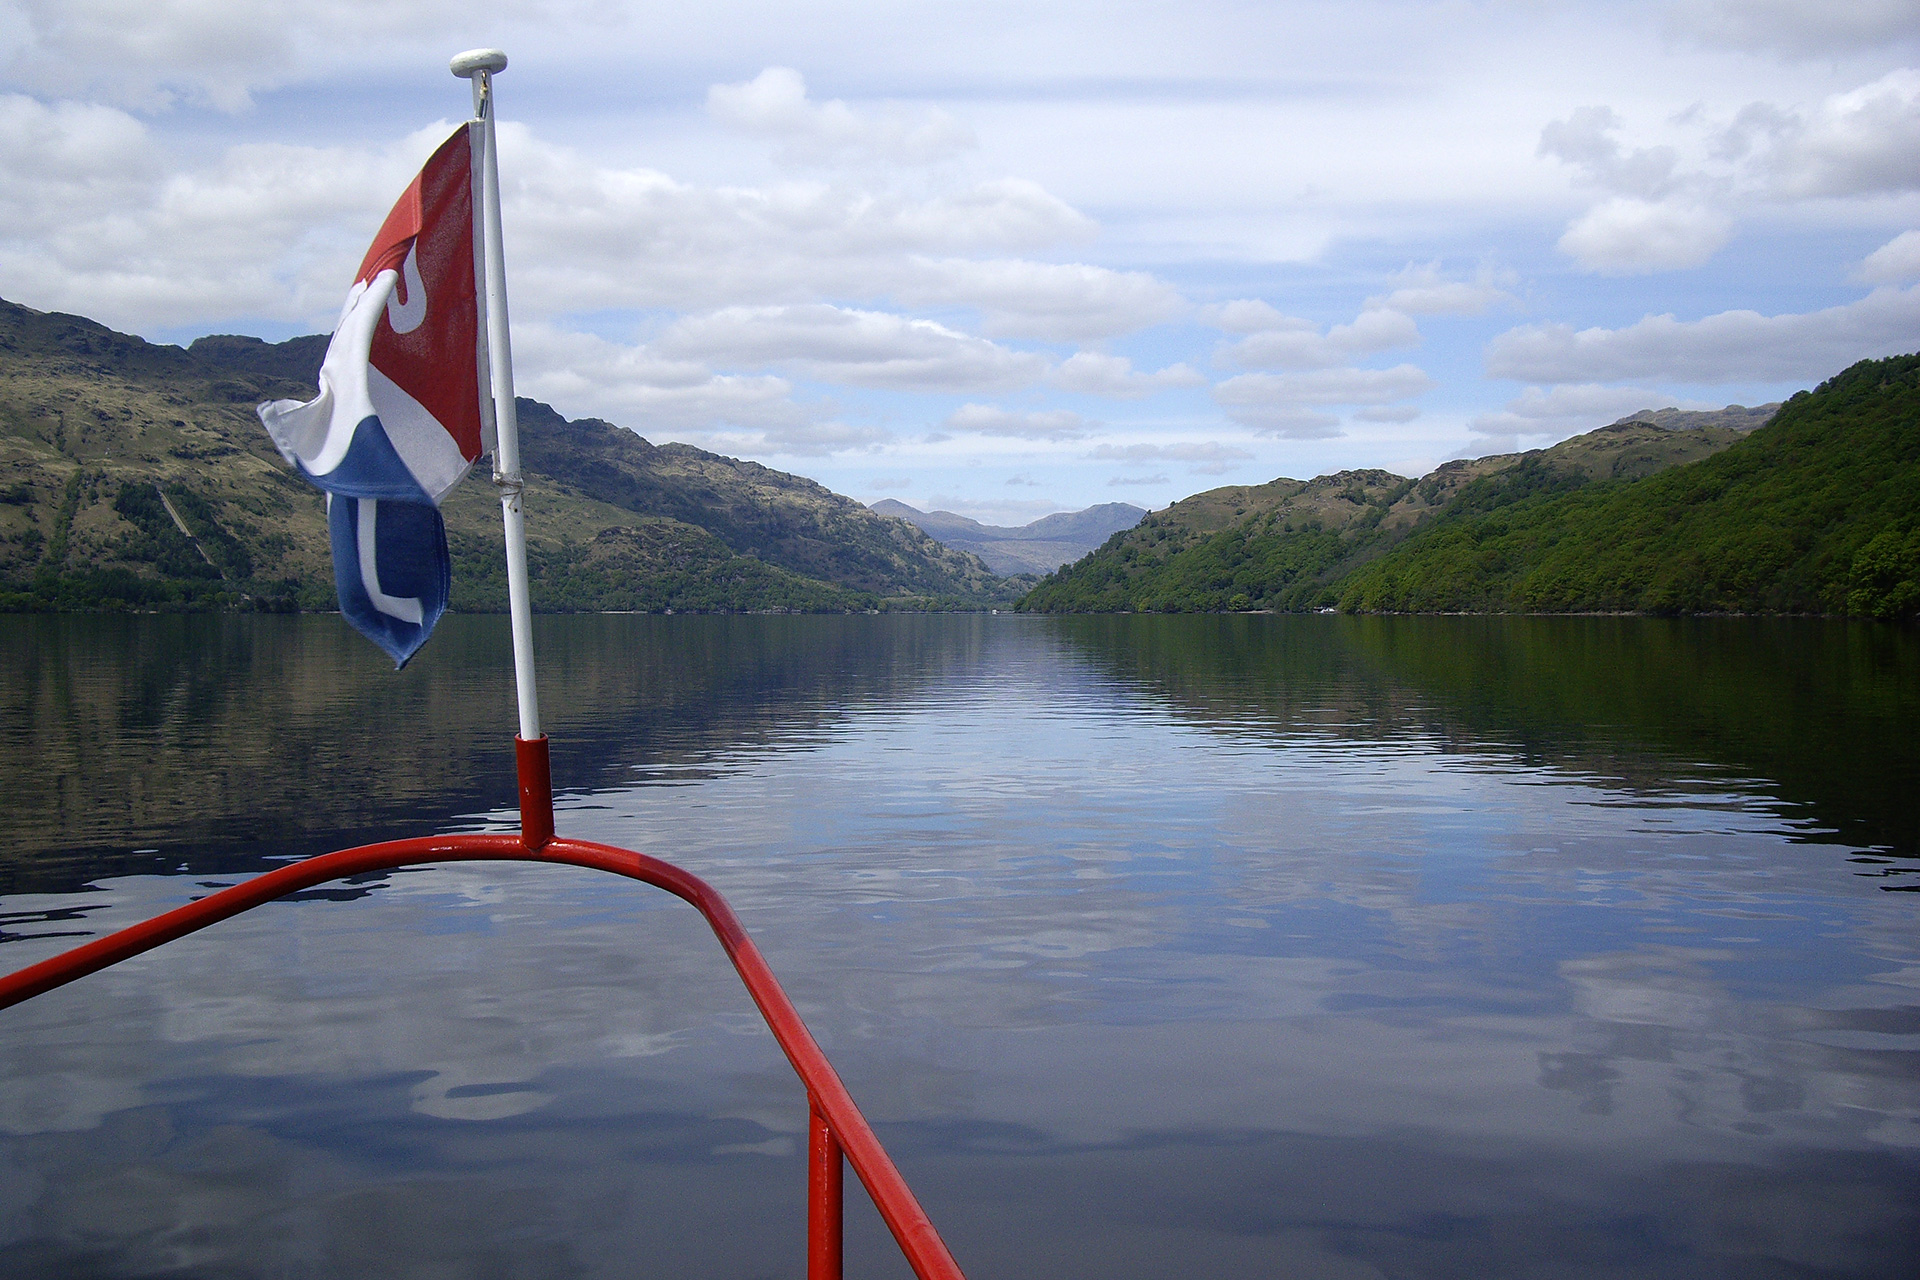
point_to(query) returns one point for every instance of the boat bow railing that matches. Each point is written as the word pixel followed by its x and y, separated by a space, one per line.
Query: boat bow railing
pixel 836 1128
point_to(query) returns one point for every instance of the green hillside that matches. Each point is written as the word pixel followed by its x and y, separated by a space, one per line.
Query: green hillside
pixel 1289 544
pixel 136 475
pixel 1818 512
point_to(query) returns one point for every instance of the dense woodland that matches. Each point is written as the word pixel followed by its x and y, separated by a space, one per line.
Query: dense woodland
pixel 1818 512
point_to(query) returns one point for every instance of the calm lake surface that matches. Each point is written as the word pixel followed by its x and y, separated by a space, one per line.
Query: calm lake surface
pixel 1211 947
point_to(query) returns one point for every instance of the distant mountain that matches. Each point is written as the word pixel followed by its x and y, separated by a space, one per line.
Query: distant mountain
pixel 296 360
pixel 1736 416
pixel 1290 544
pixel 136 475
pixel 1039 547
pixel 1094 525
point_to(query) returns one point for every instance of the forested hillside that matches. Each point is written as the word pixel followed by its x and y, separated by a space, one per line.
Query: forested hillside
pixel 1289 544
pixel 1819 512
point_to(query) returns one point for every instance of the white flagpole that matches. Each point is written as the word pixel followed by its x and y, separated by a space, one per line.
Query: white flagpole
pixel 480 66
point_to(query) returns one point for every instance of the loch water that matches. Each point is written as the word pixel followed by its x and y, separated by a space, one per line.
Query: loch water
pixel 1202 946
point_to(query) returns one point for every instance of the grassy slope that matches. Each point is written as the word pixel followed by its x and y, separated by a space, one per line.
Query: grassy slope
pixel 787 521
pixel 1815 513
pixel 96 426
pixel 1287 544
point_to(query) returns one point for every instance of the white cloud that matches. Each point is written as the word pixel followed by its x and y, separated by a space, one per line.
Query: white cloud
pixel 152 54
pixel 586 236
pixel 1344 386
pixel 665 398
pixel 1585 140
pixel 1733 346
pixel 69 160
pixel 1249 315
pixel 1862 142
pixel 1627 236
pixel 98 220
pixel 1897 259
pixel 813 439
pixel 774 104
pixel 95 218
pixel 852 347
pixel 1798 28
pixel 1000 213
pixel 1388 413
pixel 1299 346
pixel 1204 458
pixel 1662 214
pixel 209 53
pixel 1068 302
pixel 1094 373
pixel 1654 219
pixel 989 420
pixel 1423 290
pixel 1569 410
pixel 1289 404
pixel 1124 481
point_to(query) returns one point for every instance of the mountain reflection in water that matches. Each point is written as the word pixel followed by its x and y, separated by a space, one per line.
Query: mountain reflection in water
pixel 1233 946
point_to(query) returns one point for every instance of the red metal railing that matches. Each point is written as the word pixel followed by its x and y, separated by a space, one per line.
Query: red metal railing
pixel 835 1125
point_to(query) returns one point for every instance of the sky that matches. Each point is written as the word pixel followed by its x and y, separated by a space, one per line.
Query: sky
pixel 1008 259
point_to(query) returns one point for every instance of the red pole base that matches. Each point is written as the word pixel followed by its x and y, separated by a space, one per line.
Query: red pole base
pixel 536 791
pixel 824 1196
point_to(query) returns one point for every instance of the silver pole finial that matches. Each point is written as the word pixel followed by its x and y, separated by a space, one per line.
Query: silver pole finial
pixel 471 63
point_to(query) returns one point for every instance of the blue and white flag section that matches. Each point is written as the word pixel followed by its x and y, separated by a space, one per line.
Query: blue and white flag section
pixel 404 408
